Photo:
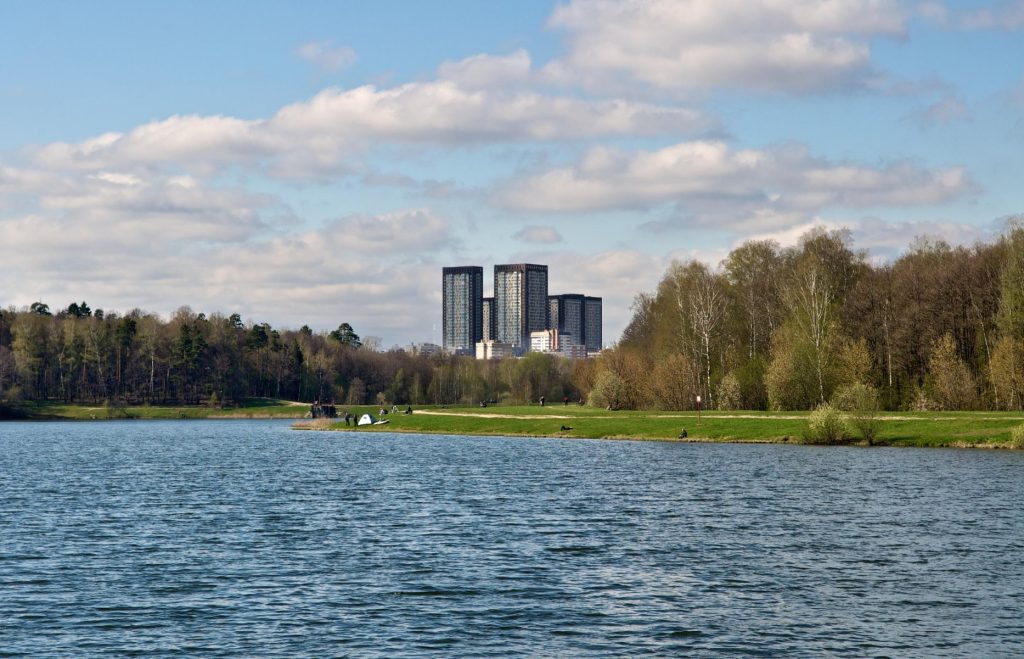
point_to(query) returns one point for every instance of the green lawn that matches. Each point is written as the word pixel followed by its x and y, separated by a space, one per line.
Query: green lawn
pixel 990 429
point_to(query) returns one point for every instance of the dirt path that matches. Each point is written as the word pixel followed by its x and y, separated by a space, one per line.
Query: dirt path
pixel 491 415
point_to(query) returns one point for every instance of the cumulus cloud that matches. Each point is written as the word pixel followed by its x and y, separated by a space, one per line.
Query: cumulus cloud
pixel 709 175
pixel 370 270
pixel 325 56
pixel 676 46
pixel 168 213
pixel 323 134
pixel 119 211
pixel 537 234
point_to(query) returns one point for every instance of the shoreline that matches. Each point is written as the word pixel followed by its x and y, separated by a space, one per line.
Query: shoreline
pixel 982 429
pixel 310 426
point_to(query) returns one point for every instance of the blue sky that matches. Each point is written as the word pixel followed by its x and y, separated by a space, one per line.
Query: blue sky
pixel 321 164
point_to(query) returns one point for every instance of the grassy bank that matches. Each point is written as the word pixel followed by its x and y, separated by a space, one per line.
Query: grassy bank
pixel 256 408
pixel 960 429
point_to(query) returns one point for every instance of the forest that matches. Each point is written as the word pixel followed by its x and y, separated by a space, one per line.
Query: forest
pixel 939 328
pixel 78 355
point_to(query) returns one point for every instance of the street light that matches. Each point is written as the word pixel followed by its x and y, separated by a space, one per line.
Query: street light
pixel 698 409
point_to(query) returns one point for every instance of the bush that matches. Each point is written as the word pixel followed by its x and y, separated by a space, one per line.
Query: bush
pixel 729 394
pixel 825 425
pixel 860 402
pixel 922 403
pixel 608 391
pixel 1017 437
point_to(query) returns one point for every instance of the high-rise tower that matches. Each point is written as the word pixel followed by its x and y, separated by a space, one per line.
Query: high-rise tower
pixel 565 314
pixel 520 302
pixel 592 323
pixel 489 331
pixel 462 307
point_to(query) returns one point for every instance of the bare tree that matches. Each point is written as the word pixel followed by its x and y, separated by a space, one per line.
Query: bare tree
pixel 701 302
pixel 811 298
pixel 752 271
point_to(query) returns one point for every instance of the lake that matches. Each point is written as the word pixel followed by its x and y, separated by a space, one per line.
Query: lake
pixel 245 538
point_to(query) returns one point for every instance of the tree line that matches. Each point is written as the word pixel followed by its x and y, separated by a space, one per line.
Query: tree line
pixel 78 355
pixel 940 327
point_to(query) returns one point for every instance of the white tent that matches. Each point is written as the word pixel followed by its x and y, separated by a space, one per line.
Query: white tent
pixel 367 420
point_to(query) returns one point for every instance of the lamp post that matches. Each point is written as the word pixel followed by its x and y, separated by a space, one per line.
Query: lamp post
pixel 698 409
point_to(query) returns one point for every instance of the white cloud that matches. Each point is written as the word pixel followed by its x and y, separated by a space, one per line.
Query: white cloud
pixel 709 175
pixel 676 46
pixel 788 236
pixel 367 270
pixel 326 133
pixel 884 240
pixel 183 142
pixel 540 235
pixel 96 228
pixel 481 71
pixel 325 56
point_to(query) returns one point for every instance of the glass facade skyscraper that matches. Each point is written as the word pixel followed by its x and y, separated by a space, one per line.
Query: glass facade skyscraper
pixel 565 314
pixel 489 331
pixel 462 307
pixel 520 305
pixel 592 323
pixel 520 302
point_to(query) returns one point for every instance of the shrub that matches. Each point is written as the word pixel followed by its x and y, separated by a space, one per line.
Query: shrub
pixel 860 402
pixel 1017 437
pixel 922 403
pixel 729 394
pixel 608 391
pixel 825 425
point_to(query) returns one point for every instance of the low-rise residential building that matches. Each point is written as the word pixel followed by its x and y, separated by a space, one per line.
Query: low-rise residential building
pixel 544 341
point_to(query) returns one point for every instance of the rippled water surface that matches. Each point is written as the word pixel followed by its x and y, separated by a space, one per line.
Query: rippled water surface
pixel 248 539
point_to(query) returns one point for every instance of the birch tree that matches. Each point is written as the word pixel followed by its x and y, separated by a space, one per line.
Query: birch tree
pixel 702 304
